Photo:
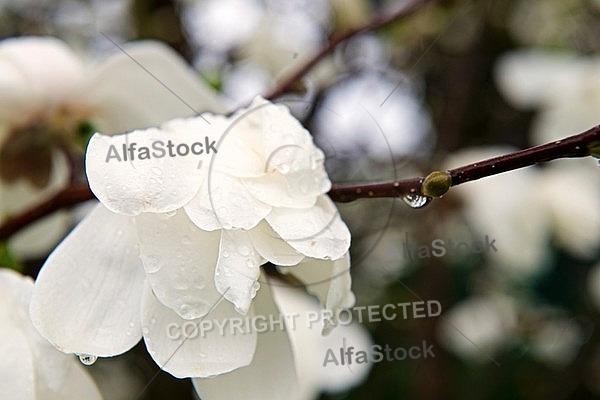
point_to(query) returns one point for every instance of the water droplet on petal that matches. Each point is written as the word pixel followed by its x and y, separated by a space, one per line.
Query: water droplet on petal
pixel 295 166
pixel 151 264
pixel 199 282
pixel 156 170
pixel 244 250
pixel 225 253
pixel 87 359
pixel 284 168
pixel 416 200
pixel 194 309
pixel 251 264
pixel 186 240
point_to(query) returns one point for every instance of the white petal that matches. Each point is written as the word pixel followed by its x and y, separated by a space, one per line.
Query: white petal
pixel 317 232
pixel 294 190
pixel 156 185
pixel 238 269
pixel 57 375
pixel 329 280
pixel 224 202
pixel 271 247
pixel 308 342
pixel 207 350
pixel 146 85
pixel 16 368
pixel 271 375
pixel 179 260
pixel 60 376
pixel 87 296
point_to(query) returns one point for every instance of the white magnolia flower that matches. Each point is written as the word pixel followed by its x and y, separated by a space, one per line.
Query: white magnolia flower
pixel 49 96
pixel 175 234
pixel 30 368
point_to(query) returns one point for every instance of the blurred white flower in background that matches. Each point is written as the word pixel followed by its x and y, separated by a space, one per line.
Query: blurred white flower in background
pixel 476 328
pixel 566 91
pixel 174 234
pixel 253 38
pixel 557 339
pixel 353 120
pixel 31 368
pixel 528 209
pixel 507 209
pixel 50 100
pixel 564 88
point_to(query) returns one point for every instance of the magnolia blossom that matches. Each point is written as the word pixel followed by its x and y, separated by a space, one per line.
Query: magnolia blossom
pixel 30 368
pixel 179 237
pixel 50 99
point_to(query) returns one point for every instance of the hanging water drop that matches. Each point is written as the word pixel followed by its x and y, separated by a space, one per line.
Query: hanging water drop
pixel 416 200
pixel 87 359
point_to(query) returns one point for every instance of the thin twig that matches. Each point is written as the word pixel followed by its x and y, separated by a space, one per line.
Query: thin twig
pixel 378 21
pixel 67 197
pixel 573 146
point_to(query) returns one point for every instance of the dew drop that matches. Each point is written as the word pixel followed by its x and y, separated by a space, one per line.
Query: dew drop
pixel 304 187
pixel 251 264
pixel 87 359
pixel 186 240
pixel 156 170
pixel 416 200
pixel 151 265
pixel 284 168
pixel 225 253
pixel 108 186
pixel 199 282
pixel 145 331
pixel 295 166
pixel 244 250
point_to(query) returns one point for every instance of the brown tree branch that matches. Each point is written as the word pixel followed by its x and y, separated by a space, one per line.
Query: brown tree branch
pixel 580 145
pixel 378 21
pixel 573 146
pixel 69 196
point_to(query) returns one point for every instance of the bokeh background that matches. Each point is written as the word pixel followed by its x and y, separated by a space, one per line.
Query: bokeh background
pixel 459 81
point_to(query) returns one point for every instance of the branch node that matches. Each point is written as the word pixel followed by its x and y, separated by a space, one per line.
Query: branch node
pixel 436 184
